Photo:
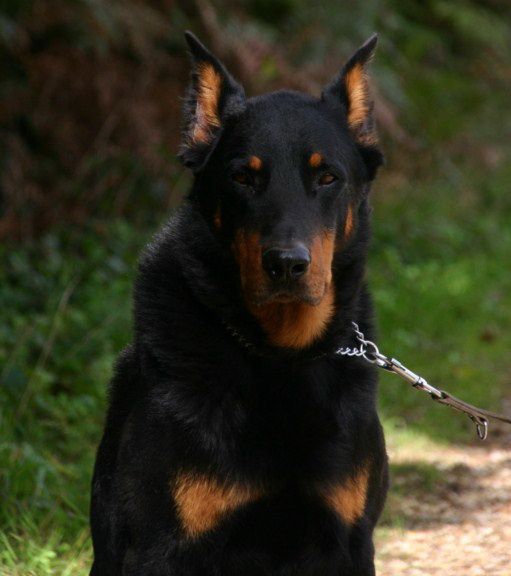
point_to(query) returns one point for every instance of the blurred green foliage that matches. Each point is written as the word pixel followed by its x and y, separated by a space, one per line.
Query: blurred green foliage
pixel 89 125
pixel 67 313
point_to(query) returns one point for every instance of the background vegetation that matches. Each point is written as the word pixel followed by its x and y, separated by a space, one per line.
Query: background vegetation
pixel 90 94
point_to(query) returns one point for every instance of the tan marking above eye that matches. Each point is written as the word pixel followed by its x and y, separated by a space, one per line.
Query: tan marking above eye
pixel 348 500
pixel 202 502
pixel 315 160
pixel 255 163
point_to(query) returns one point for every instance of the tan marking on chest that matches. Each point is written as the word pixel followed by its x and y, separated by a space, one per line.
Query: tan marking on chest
pixel 202 502
pixel 348 500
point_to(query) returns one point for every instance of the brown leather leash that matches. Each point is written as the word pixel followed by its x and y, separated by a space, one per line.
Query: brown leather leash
pixel 369 352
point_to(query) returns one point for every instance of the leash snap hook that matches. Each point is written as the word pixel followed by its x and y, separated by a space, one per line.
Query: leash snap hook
pixel 481 426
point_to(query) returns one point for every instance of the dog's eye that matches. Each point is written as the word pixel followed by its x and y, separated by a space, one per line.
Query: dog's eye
pixel 326 178
pixel 242 178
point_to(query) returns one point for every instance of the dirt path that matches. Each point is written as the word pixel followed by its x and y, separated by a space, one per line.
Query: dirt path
pixel 453 510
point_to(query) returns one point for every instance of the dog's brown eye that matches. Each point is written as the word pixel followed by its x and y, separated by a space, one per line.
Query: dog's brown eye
pixel 241 178
pixel 326 178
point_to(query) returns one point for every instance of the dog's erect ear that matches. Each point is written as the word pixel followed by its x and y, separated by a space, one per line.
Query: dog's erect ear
pixel 350 90
pixel 212 96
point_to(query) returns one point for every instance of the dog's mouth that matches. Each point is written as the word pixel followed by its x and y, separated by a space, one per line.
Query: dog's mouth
pixel 303 293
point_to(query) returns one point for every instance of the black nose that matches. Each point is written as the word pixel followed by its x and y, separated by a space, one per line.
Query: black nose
pixel 286 263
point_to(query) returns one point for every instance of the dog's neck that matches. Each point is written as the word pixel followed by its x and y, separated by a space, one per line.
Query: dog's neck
pixel 296 325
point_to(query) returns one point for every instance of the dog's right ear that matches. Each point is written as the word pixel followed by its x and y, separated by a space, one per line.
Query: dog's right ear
pixel 350 90
pixel 212 97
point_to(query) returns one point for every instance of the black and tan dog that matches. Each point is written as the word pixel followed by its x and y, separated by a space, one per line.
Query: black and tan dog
pixel 237 443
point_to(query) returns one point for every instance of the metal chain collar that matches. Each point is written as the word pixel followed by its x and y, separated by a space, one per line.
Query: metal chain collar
pixel 370 352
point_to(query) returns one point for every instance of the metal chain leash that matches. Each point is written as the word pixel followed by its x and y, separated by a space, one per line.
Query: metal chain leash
pixel 370 352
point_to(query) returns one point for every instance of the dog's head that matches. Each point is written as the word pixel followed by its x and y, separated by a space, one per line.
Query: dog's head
pixel 279 177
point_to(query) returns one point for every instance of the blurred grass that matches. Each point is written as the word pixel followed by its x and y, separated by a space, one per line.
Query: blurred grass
pixel 440 275
pixel 66 314
pixel 439 271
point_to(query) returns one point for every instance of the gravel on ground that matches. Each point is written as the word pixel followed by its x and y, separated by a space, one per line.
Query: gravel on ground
pixel 460 524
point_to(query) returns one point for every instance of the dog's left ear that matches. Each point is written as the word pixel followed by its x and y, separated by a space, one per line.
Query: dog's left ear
pixel 212 97
pixel 350 90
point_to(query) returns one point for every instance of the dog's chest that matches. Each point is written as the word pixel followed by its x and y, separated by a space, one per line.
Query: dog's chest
pixel 280 420
pixel 283 442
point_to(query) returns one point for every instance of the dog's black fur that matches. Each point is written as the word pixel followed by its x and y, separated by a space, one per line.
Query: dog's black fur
pixel 229 450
